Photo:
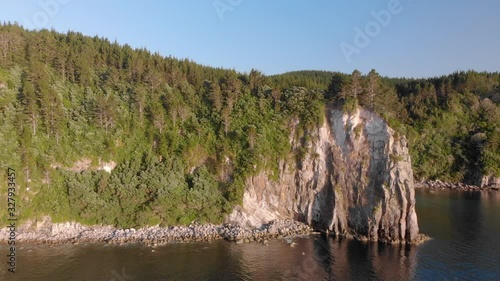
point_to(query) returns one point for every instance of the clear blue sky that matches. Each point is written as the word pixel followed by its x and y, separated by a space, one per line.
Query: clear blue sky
pixel 425 38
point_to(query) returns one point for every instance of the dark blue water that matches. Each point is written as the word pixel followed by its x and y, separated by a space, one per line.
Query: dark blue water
pixel 466 246
pixel 466 231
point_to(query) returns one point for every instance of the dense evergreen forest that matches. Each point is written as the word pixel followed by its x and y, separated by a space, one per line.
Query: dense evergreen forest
pixel 186 136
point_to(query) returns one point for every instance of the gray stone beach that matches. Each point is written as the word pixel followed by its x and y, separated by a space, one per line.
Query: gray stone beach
pixel 43 231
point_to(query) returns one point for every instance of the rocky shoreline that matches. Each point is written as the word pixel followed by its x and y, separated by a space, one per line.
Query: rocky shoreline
pixel 437 184
pixel 45 232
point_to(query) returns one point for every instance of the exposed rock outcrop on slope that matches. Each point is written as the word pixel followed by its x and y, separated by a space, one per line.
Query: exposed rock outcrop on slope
pixel 490 182
pixel 356 181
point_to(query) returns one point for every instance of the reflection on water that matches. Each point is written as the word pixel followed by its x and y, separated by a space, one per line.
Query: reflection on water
pixel 336 259
pixel 466 245
pixel 466 234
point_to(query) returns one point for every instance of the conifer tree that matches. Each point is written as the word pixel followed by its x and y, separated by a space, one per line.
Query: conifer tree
pixel 372 88
pixel 353 87
pixel 30 105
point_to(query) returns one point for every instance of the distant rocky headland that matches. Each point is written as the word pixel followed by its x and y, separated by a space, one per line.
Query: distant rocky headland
pixel 437 184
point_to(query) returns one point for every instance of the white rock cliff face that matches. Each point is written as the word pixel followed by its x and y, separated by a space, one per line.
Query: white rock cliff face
pixel 356 181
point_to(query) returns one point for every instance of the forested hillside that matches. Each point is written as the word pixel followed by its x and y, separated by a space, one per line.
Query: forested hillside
pixel 186 136
pixel 311 79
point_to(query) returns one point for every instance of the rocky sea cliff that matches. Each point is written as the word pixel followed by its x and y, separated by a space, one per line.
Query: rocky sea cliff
pixel 355 181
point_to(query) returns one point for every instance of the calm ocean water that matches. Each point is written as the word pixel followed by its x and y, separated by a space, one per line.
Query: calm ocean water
pixel 465 228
